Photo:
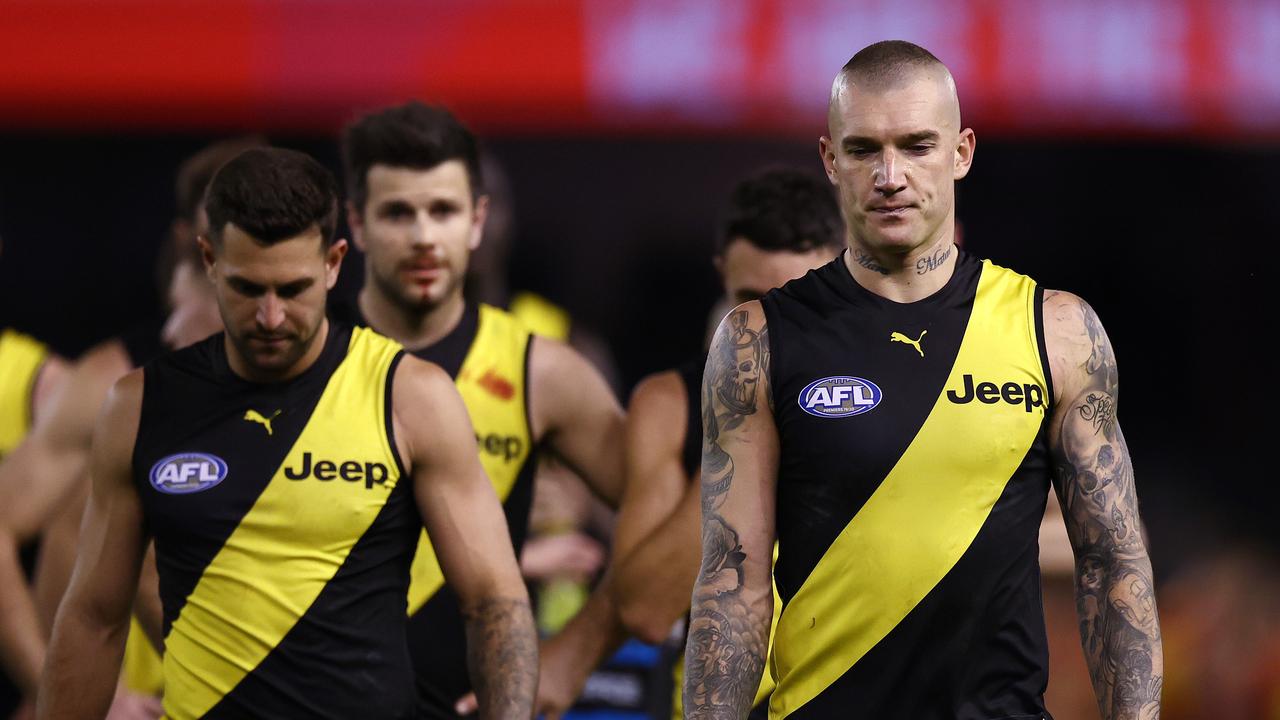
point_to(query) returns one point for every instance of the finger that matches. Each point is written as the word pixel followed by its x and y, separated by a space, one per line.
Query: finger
pixel 153 707
pixel 466 705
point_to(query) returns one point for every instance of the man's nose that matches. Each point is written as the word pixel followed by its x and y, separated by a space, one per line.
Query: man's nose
pixel 270 312
pixel 888 173
pixel 423 232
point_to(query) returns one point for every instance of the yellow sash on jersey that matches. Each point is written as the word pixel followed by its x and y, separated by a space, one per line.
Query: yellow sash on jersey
pixel 143 670
pixel 290 543
pixel 21 358
pixel 926 512
pixel 493 386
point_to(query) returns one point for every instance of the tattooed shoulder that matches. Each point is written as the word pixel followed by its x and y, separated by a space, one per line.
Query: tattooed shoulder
pixel 1080 353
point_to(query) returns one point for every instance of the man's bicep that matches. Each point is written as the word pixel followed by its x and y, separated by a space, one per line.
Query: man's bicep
pixel 112 538
pixel 458 505
pixel 1093 473
pixel 740 444
pixel 577 413
pixel 655 478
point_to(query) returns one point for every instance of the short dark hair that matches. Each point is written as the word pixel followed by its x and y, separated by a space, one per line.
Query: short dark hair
pixel 273 194
pixel 413 135
pixel 889 61
pixel 783 209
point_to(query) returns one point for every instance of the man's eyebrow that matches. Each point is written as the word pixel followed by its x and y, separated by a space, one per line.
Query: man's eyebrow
pixel 918 137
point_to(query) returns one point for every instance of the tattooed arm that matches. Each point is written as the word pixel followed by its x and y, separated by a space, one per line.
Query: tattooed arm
pixel 1115 595
pixel 464 518
pixel 732 598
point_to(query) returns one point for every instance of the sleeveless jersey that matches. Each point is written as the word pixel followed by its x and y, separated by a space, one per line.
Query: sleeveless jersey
pixel 487 355
pixel 283 532
pixel 21 358
pixel 913 474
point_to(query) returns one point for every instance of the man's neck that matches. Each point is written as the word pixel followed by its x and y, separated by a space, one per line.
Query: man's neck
pixel 248 372
pixel 903 278
pixel 414 330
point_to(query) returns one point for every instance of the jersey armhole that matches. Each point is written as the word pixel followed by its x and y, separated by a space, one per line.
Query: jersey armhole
pixel 766 305
pixel 1043 348
pixel 388 412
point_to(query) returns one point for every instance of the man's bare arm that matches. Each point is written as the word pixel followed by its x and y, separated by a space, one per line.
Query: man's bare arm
pixel 37 480
pixel 575 413
pixel 88 636
pixel 468 529
pixel 1115 594
pixel 733 598
pixel 656 554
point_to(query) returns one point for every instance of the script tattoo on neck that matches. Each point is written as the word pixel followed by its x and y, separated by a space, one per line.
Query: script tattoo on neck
pixel 935 261
pixel 1115 596
pixel 869 262
pixel 725 653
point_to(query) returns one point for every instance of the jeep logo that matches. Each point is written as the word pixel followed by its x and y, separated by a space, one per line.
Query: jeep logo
pixel 1027 394
pixel 507 447
pixel 349 470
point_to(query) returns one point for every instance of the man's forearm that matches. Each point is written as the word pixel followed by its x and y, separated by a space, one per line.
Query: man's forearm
pixel 654 581
pixel 22 647
pixel 589 638
pixel 79 679
pixel 728 636
pixel 502 656
pixel 1120 631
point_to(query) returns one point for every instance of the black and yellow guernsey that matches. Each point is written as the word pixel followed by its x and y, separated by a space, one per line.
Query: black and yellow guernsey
pixel 284 533
pixel 487 355
pixel 913 476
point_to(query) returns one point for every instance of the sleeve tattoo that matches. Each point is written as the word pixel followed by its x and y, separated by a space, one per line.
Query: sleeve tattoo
pixel 1115 595
pixel 726 647
pixel 502 657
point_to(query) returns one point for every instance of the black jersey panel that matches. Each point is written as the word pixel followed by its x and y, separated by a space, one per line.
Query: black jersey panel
pixel 193 403
pixel 825 325
pixel 363 605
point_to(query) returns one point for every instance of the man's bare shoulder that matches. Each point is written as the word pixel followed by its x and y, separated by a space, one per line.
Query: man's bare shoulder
pixel 417 380
pixel 125 392
pixel 752 311
pixel 661 394
pixel 1077 344
pixel 658 411
pixel 117 424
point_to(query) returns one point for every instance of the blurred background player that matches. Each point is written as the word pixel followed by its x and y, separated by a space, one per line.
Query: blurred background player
pixel 30 374
pixel 284 587
pixel 44 483
pixel 417 209
pixel 780 224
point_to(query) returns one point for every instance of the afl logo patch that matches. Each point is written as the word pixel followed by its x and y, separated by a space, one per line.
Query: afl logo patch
pixel 188 473
pixel 839 396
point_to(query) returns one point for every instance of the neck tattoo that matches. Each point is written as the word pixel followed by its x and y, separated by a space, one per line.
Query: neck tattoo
pixel 929 264
pixel 869 262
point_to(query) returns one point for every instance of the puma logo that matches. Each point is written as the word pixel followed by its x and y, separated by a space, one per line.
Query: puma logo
pixel 255 416
pixel 899 337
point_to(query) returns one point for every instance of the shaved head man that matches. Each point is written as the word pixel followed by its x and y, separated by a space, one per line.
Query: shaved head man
pixel 894 420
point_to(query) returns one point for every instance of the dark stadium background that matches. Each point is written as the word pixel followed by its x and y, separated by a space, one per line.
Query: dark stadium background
pixel 1156 200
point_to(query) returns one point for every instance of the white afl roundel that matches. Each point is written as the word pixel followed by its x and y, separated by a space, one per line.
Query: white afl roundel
pixel 188 473
pixel 839 396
